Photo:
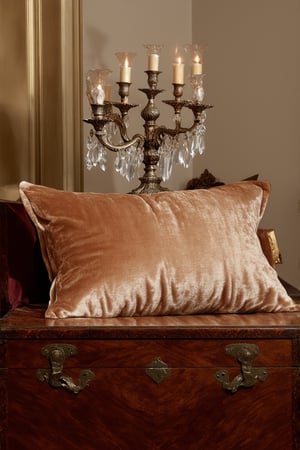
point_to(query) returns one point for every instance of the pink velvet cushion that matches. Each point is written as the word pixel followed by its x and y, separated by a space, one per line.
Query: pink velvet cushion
pixel 184 252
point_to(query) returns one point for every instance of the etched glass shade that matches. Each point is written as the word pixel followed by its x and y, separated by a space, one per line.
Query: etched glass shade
pixel 195 55
pixel 95 85
pixel 125 61
pixel 153 52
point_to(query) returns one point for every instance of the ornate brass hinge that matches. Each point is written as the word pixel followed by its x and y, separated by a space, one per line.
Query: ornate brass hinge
pixel 56 355
pixel 244 354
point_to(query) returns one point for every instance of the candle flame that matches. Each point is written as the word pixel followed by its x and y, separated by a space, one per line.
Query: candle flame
pixel 179 60
pixel 197 59
pixel 126 62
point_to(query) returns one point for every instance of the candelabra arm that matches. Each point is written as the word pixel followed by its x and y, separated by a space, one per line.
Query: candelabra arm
pixel 103 118
pixel 136 140
pixel 118 120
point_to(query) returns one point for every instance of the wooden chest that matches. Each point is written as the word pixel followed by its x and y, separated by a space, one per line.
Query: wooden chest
pixel 188 383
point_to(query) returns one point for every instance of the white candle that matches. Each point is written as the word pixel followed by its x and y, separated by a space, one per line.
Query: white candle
pixel 98 95
pixel 178 72
pixel 153 60
pixel 196 66
pixel 125 72
pixel 125 61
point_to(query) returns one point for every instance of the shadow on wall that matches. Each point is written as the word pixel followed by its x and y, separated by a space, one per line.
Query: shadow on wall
pixel 95 38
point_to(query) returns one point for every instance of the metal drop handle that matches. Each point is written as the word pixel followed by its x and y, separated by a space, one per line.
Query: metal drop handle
pixel 56 355
pixel 244 354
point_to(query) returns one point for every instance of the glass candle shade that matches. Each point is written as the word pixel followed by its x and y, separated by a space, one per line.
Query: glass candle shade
pixel 95 85
pixel 197 88
pixel 107 91
pixel 195 52
pixel 125 60
pixel 153 52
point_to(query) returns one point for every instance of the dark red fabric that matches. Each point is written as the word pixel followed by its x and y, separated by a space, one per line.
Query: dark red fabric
pixel 23 276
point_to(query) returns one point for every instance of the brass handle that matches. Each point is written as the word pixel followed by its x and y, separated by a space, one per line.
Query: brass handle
pixel 244 354
pixel 56 355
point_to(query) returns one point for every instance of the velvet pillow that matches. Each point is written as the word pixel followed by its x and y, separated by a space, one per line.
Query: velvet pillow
pixel 184 252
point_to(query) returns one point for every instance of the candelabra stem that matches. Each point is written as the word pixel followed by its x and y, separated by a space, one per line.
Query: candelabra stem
pixel 150 182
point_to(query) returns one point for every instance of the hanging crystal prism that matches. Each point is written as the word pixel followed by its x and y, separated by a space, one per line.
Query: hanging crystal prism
pixel 91 147
pixel 111 129
pixel 96 154
pixel 201 132
pixel 166 164
pixel 102 158
pixel 131 163
pixel 128 161
pixel 118 162
pixel 166 158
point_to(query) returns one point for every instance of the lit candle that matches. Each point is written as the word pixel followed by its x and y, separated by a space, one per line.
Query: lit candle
pixel 178 72
pixel 153 60
pixel 125 72
pixel 98 95
pixel 196 66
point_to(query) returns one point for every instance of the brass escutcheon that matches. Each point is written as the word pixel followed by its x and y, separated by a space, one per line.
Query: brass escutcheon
pixel 56 355
pixel 157 370
pixel 244 354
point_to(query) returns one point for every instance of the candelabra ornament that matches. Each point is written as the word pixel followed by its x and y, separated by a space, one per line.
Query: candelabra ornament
pixel 159 147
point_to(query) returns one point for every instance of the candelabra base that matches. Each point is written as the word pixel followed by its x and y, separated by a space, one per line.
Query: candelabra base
pixel 149 186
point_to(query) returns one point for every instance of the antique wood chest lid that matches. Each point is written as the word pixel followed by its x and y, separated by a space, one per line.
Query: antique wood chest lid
pixel 30 323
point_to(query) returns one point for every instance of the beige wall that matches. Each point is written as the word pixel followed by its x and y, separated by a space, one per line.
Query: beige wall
pixel 253 72
pixel 120 25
